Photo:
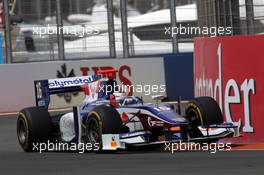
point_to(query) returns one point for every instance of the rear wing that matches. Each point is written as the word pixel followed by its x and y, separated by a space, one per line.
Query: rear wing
pixel 45 88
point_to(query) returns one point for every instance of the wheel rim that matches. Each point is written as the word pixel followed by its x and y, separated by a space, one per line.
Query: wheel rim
pixel 93 131
pixel 194 123
pixel 192 113
pixel 21 131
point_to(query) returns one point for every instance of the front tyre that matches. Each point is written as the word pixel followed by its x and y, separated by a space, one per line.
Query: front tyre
pixel 203 111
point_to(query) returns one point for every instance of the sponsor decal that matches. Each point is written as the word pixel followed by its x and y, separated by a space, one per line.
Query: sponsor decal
pixel 113 142
pixel 154 122
pixel 69 82
pixel 162 108
pixel 133 134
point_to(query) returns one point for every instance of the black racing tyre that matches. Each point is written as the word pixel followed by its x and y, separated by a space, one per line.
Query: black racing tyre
pixel 102 120
pixel 206 111
pixel 33 127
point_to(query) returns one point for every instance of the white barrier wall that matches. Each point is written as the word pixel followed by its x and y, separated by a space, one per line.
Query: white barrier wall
pixel 17 80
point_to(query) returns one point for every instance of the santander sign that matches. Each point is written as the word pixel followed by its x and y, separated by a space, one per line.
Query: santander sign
pixel 228 90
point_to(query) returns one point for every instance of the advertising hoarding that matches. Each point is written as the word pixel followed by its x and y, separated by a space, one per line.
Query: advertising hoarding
pixel 231 70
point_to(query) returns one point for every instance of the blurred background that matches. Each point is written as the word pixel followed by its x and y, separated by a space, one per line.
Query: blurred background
pixel 47 30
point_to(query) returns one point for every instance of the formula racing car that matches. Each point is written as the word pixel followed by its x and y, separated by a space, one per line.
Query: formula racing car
pixel 110 120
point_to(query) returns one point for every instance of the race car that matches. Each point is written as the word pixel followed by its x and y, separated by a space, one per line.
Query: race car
pixel 110 120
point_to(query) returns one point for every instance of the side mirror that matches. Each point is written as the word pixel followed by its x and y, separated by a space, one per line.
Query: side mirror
pixel 157 97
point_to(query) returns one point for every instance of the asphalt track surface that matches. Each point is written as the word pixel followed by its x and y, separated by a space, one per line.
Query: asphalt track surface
pixel 155 162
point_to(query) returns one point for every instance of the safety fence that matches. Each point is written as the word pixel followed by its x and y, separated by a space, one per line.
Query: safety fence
pixel 45 30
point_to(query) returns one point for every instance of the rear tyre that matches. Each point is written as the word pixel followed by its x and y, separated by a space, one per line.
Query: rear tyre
pixel 102 120
pixel 33 127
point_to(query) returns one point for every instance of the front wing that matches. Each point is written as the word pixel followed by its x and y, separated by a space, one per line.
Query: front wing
pixel 137 139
